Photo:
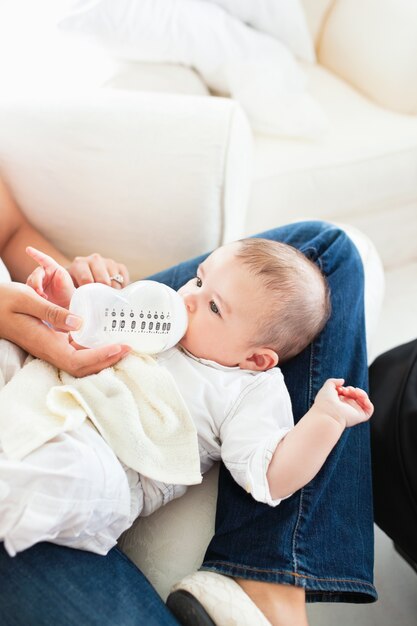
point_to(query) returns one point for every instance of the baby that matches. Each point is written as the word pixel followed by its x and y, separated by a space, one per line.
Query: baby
pixel 252 304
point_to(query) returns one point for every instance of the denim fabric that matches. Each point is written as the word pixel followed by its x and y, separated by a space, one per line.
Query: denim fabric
pixel 322 537
pixel 49 585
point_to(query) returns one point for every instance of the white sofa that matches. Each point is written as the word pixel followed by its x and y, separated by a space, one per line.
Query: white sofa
pixel 152 178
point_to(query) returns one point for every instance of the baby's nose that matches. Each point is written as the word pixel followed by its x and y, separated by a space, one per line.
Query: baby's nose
pixel 190 302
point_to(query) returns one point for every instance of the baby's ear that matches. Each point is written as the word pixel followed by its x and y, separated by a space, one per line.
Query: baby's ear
pixel 260 360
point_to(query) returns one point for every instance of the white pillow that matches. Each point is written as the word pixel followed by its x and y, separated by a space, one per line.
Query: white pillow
pixel 283 19
pixel 231 57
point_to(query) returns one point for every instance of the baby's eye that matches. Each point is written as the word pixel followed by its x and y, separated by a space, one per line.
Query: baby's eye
pixel 214 307
pixel 198 281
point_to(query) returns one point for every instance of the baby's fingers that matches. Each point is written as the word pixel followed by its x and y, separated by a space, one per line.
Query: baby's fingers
pixel 35 280
pixel 44 260
pixel 351 392
pixel 359 396
pixel 365 403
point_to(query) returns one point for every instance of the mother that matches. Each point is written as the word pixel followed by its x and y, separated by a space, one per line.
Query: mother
pixel 317 545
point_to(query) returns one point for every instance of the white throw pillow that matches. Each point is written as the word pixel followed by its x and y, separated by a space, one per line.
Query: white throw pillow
pixel 283 19
pixel 231 57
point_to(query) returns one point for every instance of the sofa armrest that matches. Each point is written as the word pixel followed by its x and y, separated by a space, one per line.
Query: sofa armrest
pixel 147 178
pixel 372 44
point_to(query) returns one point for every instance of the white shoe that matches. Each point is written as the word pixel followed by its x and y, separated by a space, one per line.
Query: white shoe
pixel 210 599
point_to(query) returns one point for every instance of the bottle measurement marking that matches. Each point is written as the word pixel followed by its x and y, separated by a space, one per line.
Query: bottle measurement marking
pixel 147 321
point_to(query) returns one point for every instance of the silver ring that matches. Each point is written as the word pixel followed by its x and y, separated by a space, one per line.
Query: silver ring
pixel 118 278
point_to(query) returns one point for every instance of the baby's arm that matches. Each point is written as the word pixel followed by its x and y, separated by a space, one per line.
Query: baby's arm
pixel 50 280
pixel 302 452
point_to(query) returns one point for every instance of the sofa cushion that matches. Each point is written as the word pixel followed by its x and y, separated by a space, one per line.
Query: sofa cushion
pixel 372 44
pixel 365 164
pixel 316 12
pixel 165 77
pixel 171 543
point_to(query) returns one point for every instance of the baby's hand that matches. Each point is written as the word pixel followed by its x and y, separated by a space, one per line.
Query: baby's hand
pixel 348 405
pixel 50 280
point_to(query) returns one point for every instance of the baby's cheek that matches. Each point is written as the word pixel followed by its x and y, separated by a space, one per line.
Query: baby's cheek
pixel 195 337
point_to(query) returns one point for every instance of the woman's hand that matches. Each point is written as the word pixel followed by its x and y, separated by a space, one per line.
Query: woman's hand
pixel 348 405
pixel 50 280
pixel 21 313
pixel 96 269
pixel 55 283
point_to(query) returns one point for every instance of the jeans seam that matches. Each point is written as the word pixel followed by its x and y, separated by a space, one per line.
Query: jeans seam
pixel 301 499
pixel 294 540
pixel 126 558
pixel 309 255
pixel 318 261
pixel 206 566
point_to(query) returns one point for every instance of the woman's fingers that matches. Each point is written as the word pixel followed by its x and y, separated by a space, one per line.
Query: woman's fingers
pixel 98 269
pixel 93 360
pixel 80 272
pixel 30 303
pixel 95 268
pixel 117 269
pixel 122 269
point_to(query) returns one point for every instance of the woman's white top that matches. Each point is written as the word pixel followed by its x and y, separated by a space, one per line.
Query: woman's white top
pixel 11 356
pixel 4 273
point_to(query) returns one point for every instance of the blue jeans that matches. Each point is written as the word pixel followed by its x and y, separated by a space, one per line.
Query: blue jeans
pixel 321 538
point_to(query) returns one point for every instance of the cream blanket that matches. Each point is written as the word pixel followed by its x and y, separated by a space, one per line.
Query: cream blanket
pixel 135 406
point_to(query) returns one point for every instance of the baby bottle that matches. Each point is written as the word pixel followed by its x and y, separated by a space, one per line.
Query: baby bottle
pixel 146 315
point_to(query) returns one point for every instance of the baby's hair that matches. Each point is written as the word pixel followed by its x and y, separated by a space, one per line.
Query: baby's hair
pixel 298 293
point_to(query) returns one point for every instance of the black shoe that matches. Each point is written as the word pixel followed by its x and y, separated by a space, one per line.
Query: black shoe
pixel 187 609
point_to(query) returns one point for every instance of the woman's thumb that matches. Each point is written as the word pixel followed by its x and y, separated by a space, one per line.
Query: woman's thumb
pixel 60 318
pixel 52 314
